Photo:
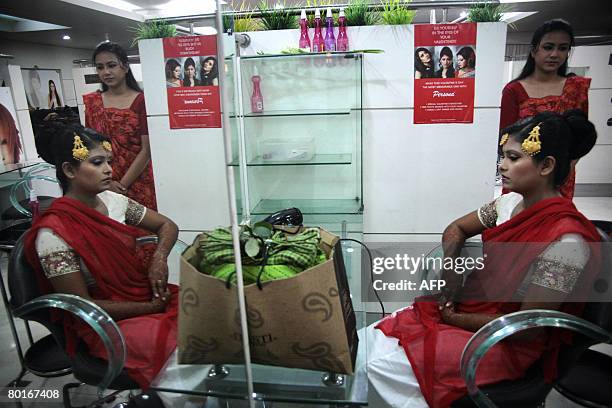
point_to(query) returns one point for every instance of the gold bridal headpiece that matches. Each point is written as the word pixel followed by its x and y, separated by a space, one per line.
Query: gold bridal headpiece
pixel 79 151
pixel 504 139
pixel 532 145
pixel 107 146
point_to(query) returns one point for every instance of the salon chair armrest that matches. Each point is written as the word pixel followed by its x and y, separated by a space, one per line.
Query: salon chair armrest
pixel 507 325
pixel 96 318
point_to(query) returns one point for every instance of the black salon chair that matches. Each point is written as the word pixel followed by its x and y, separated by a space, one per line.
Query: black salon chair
pixel 587 382
pixel 26 303
pixel 584 375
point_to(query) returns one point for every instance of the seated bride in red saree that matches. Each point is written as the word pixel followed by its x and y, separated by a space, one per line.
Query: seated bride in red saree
pixel 84 244
pixel 535 271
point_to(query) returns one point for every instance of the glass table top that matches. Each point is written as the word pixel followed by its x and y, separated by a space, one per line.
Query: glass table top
pixel 8 168
pixel 11 173
pixel 270 383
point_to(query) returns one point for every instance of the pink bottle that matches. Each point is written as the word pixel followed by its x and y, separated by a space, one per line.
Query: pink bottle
pixel 342 44
pixel 318 43
pixel 256 98
pixel 304 38
pixel 34 205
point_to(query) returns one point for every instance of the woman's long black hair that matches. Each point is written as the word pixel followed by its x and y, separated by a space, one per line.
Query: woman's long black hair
pixel 469 55
pixel 426 71
pixel 189 62
pixel 549 26
pixel 121 55
pixel 171 65
pixel 59 101
pixel 450 72
pixel 207 79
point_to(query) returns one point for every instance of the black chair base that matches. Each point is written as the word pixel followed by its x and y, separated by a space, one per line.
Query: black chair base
pixel 590 377
pixel 46 358
pixel 527 392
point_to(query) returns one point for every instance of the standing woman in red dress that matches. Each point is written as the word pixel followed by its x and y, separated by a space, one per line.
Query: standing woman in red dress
pixel 544 84
pixel 118 111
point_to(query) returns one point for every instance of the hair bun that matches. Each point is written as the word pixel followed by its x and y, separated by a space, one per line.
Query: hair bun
pixel 583 133
pixel 47 135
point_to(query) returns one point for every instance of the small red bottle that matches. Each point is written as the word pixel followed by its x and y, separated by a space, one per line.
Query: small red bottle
pixel 256 98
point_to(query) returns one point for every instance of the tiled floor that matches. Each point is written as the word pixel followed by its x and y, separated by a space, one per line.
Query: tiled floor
pixel 593 207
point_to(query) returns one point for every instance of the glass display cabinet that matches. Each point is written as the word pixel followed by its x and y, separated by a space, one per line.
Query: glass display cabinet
pixel 297 139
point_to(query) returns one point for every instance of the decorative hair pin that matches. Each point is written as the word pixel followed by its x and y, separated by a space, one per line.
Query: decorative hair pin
pixel 532 145
pixel 504 139
pixel 79 151
pixel 107 146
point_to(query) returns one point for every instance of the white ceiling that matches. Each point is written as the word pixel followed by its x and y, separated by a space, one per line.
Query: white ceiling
pixel 90 22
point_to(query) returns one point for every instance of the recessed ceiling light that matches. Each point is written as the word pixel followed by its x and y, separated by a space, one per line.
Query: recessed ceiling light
pixel 65 37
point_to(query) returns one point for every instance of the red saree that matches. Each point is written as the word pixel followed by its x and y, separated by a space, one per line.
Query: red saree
pixel 434 348
pixel 124 127
pixel 516 104
pixel 108 247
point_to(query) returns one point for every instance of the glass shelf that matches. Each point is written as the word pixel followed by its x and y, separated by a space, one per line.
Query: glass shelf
pixel 304 112
pixel 309 206
pixel 335 54
pixel 318 159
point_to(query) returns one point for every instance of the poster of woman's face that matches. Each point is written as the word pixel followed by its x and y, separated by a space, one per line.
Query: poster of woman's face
pixel 424 64
pixel 445 60
pixel 43 88
pixel 10 142
pixel 192 71
pixel 448 61
pixel 466 61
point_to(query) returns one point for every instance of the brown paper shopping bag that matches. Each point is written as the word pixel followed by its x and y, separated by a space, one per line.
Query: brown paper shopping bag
pixel 306 321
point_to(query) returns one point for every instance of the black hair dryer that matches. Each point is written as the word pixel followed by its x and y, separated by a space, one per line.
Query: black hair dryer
pixel 288 216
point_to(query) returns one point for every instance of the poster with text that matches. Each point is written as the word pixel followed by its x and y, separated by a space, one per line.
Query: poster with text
pixel 192 81
pixel 444 73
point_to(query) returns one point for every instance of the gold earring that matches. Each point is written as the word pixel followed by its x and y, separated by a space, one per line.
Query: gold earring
pixel 79 151
pixel 532 145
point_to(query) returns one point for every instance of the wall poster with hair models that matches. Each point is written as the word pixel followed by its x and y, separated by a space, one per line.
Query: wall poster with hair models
pixel 43 88
pixel 192 81
pixel 10 140
pixel 444 73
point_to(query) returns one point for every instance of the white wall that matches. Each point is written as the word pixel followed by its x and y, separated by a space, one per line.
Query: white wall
pixel 596 167
pixel 46 56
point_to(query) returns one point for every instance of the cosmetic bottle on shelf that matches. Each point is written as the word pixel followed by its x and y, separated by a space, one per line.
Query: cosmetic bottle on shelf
pixel 318 44
pixel 256 98
pixel 304 38
pixel 330 39
pixel 342 44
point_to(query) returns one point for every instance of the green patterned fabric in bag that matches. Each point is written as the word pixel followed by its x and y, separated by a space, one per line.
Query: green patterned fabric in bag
pixel 288 254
